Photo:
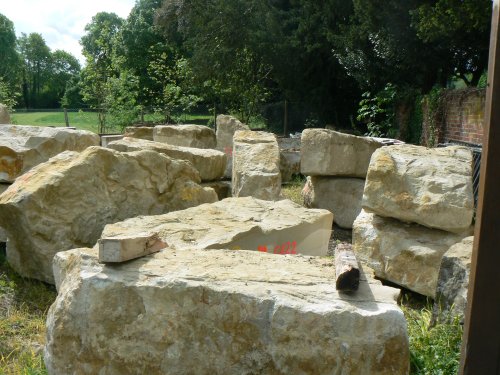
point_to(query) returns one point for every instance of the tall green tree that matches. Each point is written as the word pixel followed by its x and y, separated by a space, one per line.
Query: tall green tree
pixel 36 67
pixel 9 62
pixel 99 50
pixel 64 67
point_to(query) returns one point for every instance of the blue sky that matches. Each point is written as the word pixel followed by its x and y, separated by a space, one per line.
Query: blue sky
pixel 61 22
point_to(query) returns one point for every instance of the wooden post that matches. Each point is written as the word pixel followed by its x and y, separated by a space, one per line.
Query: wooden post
pixel 481 340
pixel 346 269
pixel 285 119
pixel 215 117
pixel 66 120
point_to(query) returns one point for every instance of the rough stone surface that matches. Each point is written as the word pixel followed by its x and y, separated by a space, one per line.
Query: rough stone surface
pixel 107 139
pixel 339 195
pixel 3 234
pixel 122 249
pixel 453 281
pixel 23 147
pixel 219 312
pixel 226 127
pixel 431 187
pixel 66 202
pixel 222 188
pixel 141 132
pixel 289 164
pixel 210 163
pixel 198 136
pixel 238 223
pixel 4 114
pixel 256 161
pixel 330 153
pixel 406 254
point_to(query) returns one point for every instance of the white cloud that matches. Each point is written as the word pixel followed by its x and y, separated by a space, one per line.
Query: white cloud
pixel 61 22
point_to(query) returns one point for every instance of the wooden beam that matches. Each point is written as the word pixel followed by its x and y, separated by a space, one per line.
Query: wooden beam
pixel 481 340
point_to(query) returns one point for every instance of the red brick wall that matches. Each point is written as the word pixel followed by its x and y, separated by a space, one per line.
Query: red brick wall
pixel 464 116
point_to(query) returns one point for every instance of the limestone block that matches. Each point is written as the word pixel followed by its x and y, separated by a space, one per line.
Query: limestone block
pixel 226 127
pixel 453 281
pixel 256 162
pixel 289 164
pixel 66 202
pixel 431 187
pixel 210 163
pixel 221 188
pixel 219 312
pixel 121 249
pixel 3 234
pixel 4 114
pixel 22 147
pixel 339 195
pixel 238 223
pixel 330 153
pixel 141 132
pixel 406 254
pixel 107 139
pixel 198 136
pixel 289 144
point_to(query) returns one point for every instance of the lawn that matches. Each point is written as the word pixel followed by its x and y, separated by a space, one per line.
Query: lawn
pixel 88 120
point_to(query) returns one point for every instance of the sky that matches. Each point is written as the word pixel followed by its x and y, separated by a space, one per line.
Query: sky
pixel 61 22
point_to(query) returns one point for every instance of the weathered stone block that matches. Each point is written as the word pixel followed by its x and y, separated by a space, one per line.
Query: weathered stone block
pixel 198 136
pixel 4 114
pixel 141 132
pixel 107 139
pixel 66 202
pixel 234 312
pixel 221 188
pixel 238 223
pixel 210 163
pixel 226 127
pixel 330 153
pixel 256 162
pixel 23 147
pixel 289 164
pixel 340 195
pixel 431 187
pixel 406 254
pixel 453 281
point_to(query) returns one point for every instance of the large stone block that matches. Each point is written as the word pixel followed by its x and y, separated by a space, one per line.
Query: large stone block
pixel 330 153
pixel 431 187
pixel 198 136
pixel 256 165
pixel 406 254
pixel 339 195
pixel 226 127
pixel 219 312
pixel 66 202
pixel 238 223
pixel 453 281
pixel 4 114
pixel 23 147
pixel 141 132
pixel 210 163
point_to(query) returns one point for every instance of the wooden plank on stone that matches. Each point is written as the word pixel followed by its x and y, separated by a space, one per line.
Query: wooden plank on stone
pixel 122 248
pixel 346 269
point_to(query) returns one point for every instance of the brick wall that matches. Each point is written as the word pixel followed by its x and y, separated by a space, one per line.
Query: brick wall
pixel 461 118
pixel 464 116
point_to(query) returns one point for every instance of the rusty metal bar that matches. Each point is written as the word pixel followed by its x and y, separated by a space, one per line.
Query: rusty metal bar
pixel 481 340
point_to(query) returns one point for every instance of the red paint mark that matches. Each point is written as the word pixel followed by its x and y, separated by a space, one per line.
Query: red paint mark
pixel 284 248
pixel 228 150
pixel 262 248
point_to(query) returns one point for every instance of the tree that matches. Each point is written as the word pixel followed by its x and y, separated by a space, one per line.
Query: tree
pixel 36 67
pixel 64 68
pixel 9 62
pixel 461 30
pixel 98 49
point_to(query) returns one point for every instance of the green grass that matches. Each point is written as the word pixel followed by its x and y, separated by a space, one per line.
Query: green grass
pixel 88 120
pixel 23 310
pixel 433 350
pixel 293 189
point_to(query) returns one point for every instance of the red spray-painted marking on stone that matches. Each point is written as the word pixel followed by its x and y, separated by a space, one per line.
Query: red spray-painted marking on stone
pixel 284 248
pixel 228 150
